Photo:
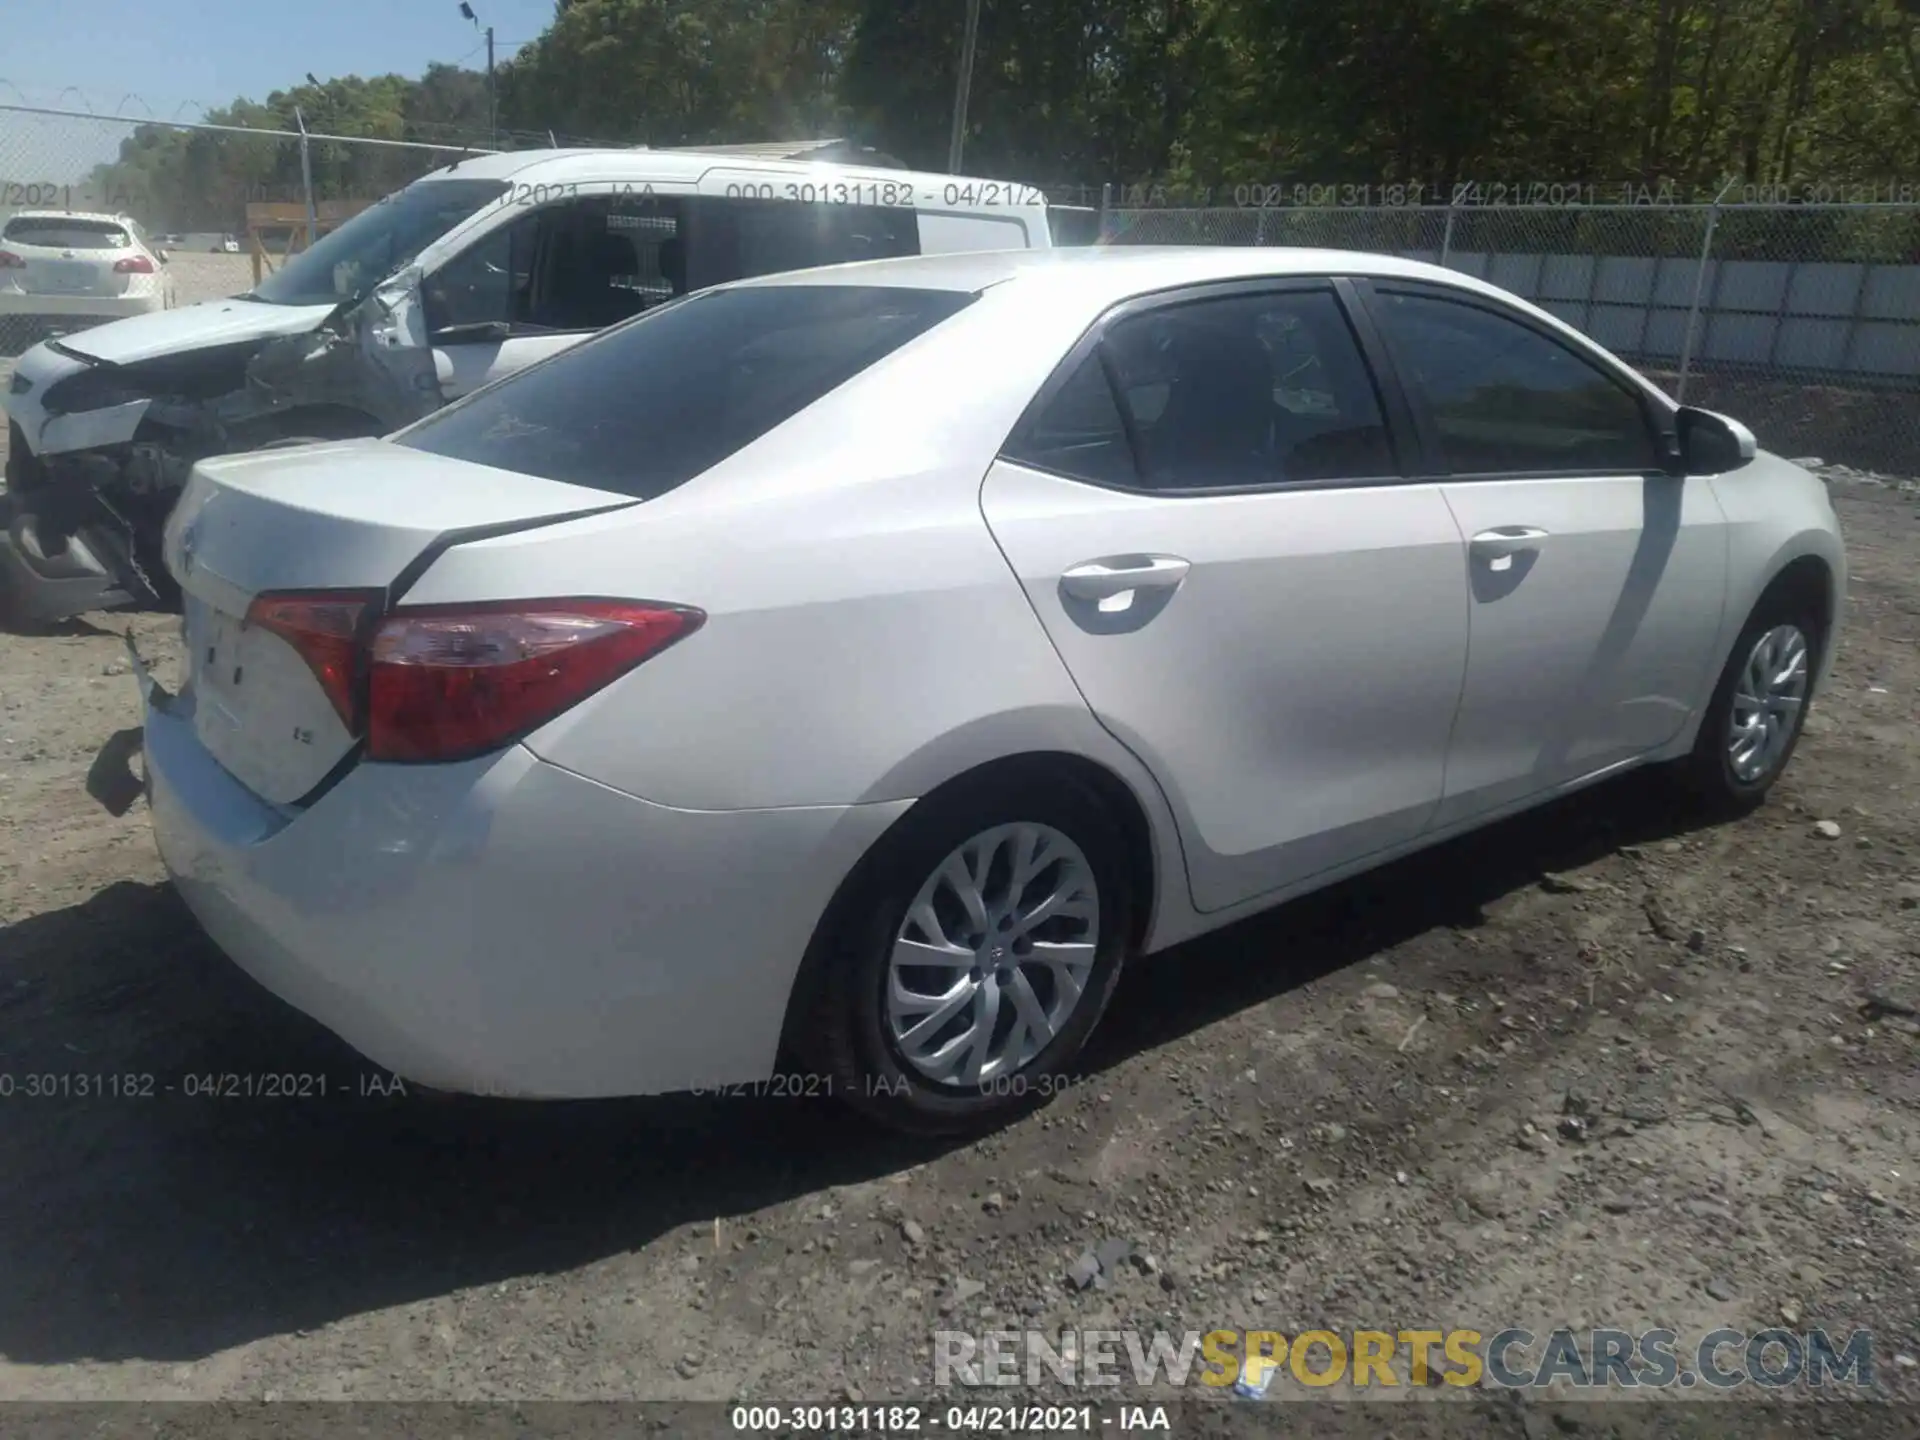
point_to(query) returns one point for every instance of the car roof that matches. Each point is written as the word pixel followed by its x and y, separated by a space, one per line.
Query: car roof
pixel 1110 274
pixel 670 167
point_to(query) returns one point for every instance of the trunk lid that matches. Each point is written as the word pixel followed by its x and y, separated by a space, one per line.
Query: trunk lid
pixel 350 515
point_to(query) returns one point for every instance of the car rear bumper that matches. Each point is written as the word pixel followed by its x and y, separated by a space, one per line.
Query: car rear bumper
pixel 24 304
pixel 503 926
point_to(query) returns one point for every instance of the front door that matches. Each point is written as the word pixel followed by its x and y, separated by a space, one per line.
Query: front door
pixel 1204 512
pixel 1597 577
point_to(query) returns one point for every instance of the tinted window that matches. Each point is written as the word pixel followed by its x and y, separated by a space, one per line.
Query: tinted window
pixel 1080 432
pixel 1504 397
pixel 647 406
pixel 1251 390
pixel 734 239
pixel 490 281
pixel 345 264
pixel 583 265
pixel 67 234
pixel 1248 390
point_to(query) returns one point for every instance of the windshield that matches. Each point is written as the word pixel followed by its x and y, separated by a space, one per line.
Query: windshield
pixel 650 404
pixel 66 233
pixel 347 263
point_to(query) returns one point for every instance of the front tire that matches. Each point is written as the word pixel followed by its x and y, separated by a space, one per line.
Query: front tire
pixel 958 976
pixel 1759 709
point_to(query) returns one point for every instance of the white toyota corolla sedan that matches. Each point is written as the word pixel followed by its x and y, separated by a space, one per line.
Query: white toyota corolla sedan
pixel 859 665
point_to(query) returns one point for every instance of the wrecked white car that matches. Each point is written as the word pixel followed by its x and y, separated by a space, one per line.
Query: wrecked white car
pixel 468 274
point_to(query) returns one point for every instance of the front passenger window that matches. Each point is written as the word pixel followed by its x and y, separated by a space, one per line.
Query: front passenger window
pixel 487 283
pixel 1504 398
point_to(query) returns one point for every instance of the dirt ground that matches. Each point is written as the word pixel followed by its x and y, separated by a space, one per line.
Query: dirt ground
pixel 1598 1066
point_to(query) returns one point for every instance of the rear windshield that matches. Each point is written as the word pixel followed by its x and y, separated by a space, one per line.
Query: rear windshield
pixel 650 404
pixel 67 234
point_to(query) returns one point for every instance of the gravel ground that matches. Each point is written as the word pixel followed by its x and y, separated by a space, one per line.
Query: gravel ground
pixel 1597 1066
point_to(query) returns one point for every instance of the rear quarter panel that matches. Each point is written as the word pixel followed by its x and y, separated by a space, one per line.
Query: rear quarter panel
pixel 865 637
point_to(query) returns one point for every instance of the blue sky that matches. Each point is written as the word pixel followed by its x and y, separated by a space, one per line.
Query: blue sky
pixel 176 59
pixel 171 52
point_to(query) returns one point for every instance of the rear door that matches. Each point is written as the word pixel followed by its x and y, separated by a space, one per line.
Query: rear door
pixel 1205 509
pixel 1597 577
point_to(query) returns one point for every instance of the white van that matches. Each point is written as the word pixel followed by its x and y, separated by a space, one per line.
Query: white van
pixel 468 274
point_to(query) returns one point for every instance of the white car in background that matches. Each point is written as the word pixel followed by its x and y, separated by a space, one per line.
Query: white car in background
pixel 477 270
pixel 872 658
pixel 67 268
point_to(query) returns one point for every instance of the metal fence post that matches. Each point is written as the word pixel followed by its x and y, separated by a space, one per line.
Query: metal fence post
pixel 1446 235
pixel 1699 287
pixel 306 176
pixel 1106 191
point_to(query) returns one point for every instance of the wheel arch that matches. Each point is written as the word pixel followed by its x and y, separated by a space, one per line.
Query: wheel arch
pixel 1809 569
pixel 1147 865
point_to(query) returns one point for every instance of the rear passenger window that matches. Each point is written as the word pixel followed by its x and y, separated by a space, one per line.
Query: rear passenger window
pixel 1505 398
pixel 1080 433
pixel 1244 390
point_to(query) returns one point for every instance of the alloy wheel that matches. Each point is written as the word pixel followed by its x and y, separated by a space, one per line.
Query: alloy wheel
pixel 993 957
pixel 1767 700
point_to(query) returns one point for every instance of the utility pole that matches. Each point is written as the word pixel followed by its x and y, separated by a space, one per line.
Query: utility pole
pixel 957 140
pixel 493 106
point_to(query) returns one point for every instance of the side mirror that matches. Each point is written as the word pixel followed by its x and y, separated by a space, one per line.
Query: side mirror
pixel 1711 443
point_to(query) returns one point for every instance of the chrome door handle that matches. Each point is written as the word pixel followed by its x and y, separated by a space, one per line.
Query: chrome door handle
pixel 1506 540
pixel 1117 574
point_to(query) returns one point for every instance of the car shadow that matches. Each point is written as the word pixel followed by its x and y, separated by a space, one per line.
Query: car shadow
pixel 141 1221
pixel 1178 991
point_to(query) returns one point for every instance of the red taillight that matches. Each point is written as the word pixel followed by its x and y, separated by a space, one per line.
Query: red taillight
pixel 133 265
pixel 11 261
pixel 320 625
pixel 450 681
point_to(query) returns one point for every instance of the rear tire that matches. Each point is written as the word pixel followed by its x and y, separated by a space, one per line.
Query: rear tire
pixel 1006 972
pixel 1759 709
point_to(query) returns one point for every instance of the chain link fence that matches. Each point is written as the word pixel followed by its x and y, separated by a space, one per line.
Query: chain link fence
pixel 224 204
pixel 1802 320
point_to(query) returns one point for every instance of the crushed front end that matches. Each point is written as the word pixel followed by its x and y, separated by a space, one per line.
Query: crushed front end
pixel 98 452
